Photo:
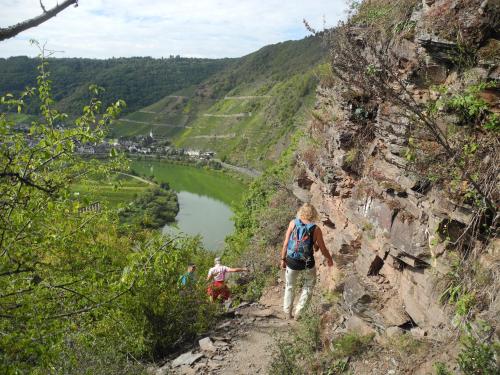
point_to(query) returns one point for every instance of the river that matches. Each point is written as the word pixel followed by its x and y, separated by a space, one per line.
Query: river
pixel 206 199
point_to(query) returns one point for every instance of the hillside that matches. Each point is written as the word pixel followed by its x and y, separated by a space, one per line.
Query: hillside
pixel 244 109
pixel 401 161
pixel 245 112
pixel 139 81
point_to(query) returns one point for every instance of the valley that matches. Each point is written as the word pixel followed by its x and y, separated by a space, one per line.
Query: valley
pixel 382 133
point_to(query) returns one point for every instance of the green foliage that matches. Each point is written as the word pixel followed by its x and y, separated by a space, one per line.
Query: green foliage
pixel 465 303
pixel 304 353
pixel 115 191
pixel 265 124
pixel 140 81
pixel 79 293
pixel 152 209
pixel 388 16
pixel 351 156
pixel 168 315
pixel 296 355
pixel 469 105
pixel 456 292
pixel 261 221
pixel 350 344
pixel 492 122
pixel 478 357
pixel 271 89
pixel 441 369
pixel 464 56
pixel 472 109
pixel 46 246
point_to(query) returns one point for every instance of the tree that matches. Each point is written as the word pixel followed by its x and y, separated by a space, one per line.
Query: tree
pixel 11 31
pixel 50 254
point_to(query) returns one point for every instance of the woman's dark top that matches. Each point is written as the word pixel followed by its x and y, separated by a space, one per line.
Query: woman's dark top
pixel 301 264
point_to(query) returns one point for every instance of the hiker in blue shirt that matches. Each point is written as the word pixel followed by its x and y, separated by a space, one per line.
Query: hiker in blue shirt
pixel 297 257
pixel 189 277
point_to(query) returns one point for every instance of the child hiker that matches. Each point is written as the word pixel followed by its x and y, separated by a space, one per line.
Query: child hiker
pixel 218 289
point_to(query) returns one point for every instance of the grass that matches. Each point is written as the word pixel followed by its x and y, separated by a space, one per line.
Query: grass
pixel 305 353
pixel 405 345
pixel 116 191
pixel 195 180
pixel 17 118
pixel 387 15
pixel 348 345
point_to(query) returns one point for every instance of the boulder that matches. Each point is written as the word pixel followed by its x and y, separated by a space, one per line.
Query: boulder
pixel 187 358
pixel 355 293
pixel 394 313
pixel 380 213
pixel 421 300
pixel 186 370
pixel 206 345
pixel 440 49
pixel 358 325
pixel 394 331
pixel 408 235
pixel 368 261
pixel 418 332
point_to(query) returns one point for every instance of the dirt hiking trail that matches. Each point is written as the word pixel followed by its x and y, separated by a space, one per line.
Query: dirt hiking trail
pixel 242 343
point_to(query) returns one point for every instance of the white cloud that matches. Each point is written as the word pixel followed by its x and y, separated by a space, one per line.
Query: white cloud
pixel 202 28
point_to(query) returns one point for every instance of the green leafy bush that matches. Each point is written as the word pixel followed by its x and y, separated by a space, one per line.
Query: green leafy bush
pixel 349 344
pixel 472 109
pixel 152 209
pixel 478 357
pixel 441 369
pixel 79 293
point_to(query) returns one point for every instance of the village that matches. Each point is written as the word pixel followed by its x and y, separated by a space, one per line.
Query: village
pixel 144 145
pixel 149 145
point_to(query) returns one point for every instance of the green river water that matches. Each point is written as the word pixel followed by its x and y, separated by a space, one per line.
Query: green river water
pixel 205 199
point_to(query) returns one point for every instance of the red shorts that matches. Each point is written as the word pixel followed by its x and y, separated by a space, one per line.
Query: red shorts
pixel 218 290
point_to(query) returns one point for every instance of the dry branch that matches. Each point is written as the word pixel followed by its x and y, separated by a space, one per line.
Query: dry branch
pixel 11 31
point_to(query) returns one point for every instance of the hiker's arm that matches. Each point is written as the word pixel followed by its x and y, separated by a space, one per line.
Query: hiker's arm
pixel 237 269
pixel 209 276
pixel 285 244
pixel 318 235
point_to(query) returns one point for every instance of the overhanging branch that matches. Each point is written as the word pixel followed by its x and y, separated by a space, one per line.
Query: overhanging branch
pixel 11 31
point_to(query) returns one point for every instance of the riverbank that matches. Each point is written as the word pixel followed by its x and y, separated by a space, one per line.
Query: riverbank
pixel 240 172
pixel 207 198
pixel 227 187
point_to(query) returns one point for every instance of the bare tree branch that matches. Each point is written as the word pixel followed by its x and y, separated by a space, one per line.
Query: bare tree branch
pixel 27 181
pixel 43 8
pixel 11 31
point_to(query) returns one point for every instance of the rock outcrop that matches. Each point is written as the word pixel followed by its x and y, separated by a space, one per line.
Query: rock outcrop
pixel 383 222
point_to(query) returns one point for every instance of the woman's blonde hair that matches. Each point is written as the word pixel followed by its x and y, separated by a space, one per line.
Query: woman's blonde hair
pixel 307 212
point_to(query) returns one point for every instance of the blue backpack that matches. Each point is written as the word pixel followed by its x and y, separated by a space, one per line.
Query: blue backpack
pixel 300 243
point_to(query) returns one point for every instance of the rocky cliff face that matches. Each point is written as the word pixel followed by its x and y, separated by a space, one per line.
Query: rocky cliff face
pixel 390 227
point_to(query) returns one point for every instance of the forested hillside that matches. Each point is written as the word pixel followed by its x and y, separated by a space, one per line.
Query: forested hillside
pixel 246 112
pixel 243 109
pixel 139 81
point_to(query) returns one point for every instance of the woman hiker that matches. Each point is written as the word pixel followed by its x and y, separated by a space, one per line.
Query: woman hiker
pixel 297 256
pixel 218 289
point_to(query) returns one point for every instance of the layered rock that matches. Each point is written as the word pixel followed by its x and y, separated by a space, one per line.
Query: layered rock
pixel 381 220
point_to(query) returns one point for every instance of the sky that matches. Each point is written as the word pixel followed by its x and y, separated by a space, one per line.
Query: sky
pixel 160 28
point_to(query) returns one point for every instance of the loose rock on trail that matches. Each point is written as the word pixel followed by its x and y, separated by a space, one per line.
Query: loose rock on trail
pixel 241 344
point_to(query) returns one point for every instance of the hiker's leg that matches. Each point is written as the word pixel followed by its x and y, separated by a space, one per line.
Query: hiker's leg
pixel 309 282
pixel 291 280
